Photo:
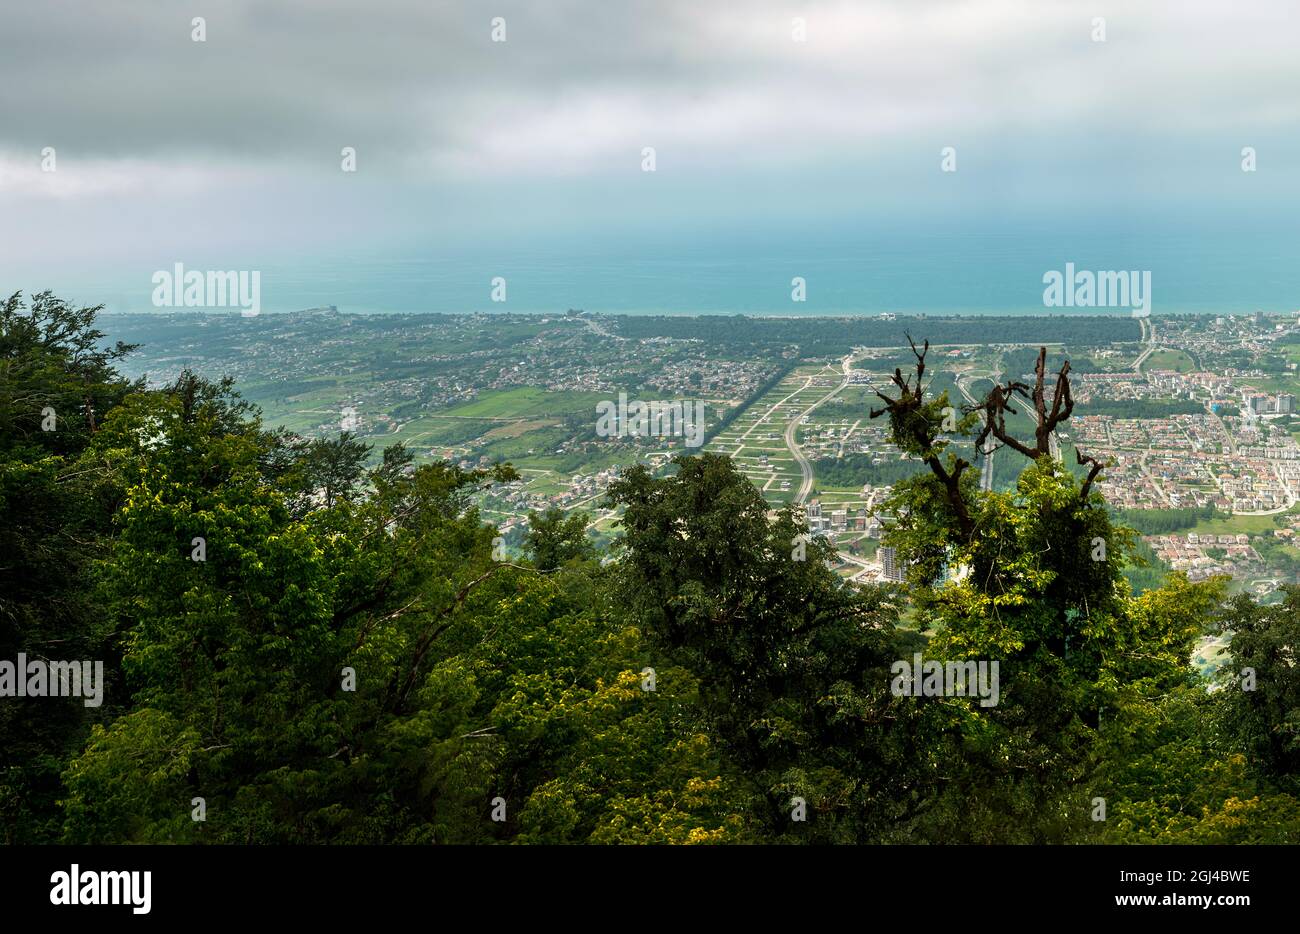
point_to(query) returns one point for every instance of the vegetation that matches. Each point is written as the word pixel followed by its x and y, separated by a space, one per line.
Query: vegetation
pixel 818 336
pixel 1145 571
pixel 1165 521
pixel 1279 555
pixel 1022 360
pixel 1143 408
pixel 853 470
pixel 305 644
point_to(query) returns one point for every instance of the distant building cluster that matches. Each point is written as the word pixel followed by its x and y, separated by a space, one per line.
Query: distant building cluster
pixel 841 519
pixel 1282 403
pixel 1205 555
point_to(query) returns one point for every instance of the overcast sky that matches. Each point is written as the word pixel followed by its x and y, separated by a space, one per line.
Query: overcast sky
pixel 169 147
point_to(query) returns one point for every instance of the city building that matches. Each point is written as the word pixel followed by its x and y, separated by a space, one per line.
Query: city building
pixel 891 570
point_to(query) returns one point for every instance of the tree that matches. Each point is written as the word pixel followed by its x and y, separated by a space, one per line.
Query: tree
pixel 553 539
pixel 1032 579
pixel 793 664
pixel 57 381
pixel 917 428
pixel 998 402
pixel 53 363
pixel 334 468
pixel 366 671
pixel 1260 701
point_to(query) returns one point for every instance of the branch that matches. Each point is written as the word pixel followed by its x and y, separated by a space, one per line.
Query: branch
pixel 1097 467
pixel 919 435
pixel 998 403
pixel 1062 404
pixel 431 635
pixel 995 406
pixel 920 361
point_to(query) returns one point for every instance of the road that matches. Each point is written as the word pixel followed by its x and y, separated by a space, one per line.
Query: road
pixel 805 468
pixel 762 419
pixel 1151 479
pixel 1227 435
pixel 854 559
pixel 600 330
pixel 986 470
pixel 1148 332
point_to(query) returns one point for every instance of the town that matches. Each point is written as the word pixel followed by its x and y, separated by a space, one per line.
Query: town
pixel 1194 416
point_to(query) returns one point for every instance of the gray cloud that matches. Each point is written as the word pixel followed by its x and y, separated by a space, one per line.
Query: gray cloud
pixel 420 86
pixel 165 144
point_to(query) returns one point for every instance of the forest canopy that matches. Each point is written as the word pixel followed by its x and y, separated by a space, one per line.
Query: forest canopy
pixel 307 641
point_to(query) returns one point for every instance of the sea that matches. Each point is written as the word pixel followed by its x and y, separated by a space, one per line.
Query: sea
pixel 936 272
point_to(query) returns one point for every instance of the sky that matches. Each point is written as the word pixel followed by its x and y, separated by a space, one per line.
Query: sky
pixel 228 152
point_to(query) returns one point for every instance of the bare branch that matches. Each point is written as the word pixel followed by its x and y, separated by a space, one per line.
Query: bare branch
pixel 998 403
pixel 1097 467
pixel 921 435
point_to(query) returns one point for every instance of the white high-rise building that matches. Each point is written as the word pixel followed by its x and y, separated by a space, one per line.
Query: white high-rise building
pixel 890 568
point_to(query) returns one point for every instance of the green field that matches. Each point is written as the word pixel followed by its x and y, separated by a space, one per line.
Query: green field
pixel 1170 360
pixel 1231 525
pixel 528 402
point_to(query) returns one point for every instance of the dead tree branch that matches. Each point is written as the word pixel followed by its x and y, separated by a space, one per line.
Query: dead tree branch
pixel 915 432
pixel 1047 418
pixel 1097 467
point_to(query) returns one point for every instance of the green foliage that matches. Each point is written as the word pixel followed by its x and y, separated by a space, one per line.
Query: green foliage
pixel 793 663
pixel 1021 361
pixel 1037 581
pixel 1169 777
pixel 363 671
pixel 325 651
pixel 553 539
pixel 1145 570
pixel 1278 554
pixel 1142 408
pixel 1264 720
pixel 854 470
pixel 1165 521
pixel 335 467
pixel 57 499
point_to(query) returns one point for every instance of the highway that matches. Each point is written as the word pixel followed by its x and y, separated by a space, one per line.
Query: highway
pixel 805 468
pixel 1148 332
pixel 986 469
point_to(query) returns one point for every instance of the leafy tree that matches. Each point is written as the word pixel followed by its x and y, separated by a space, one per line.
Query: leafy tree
pixel 334 468
pixel 1032 579
pixel 57 380
pixel 366 671
pixel 553 539
pixel 53 362
pixel 1261 708
pixel 792 662
pixel 1168 776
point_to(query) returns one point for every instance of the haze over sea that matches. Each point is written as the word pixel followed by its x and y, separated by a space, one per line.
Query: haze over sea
pixel 923 272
